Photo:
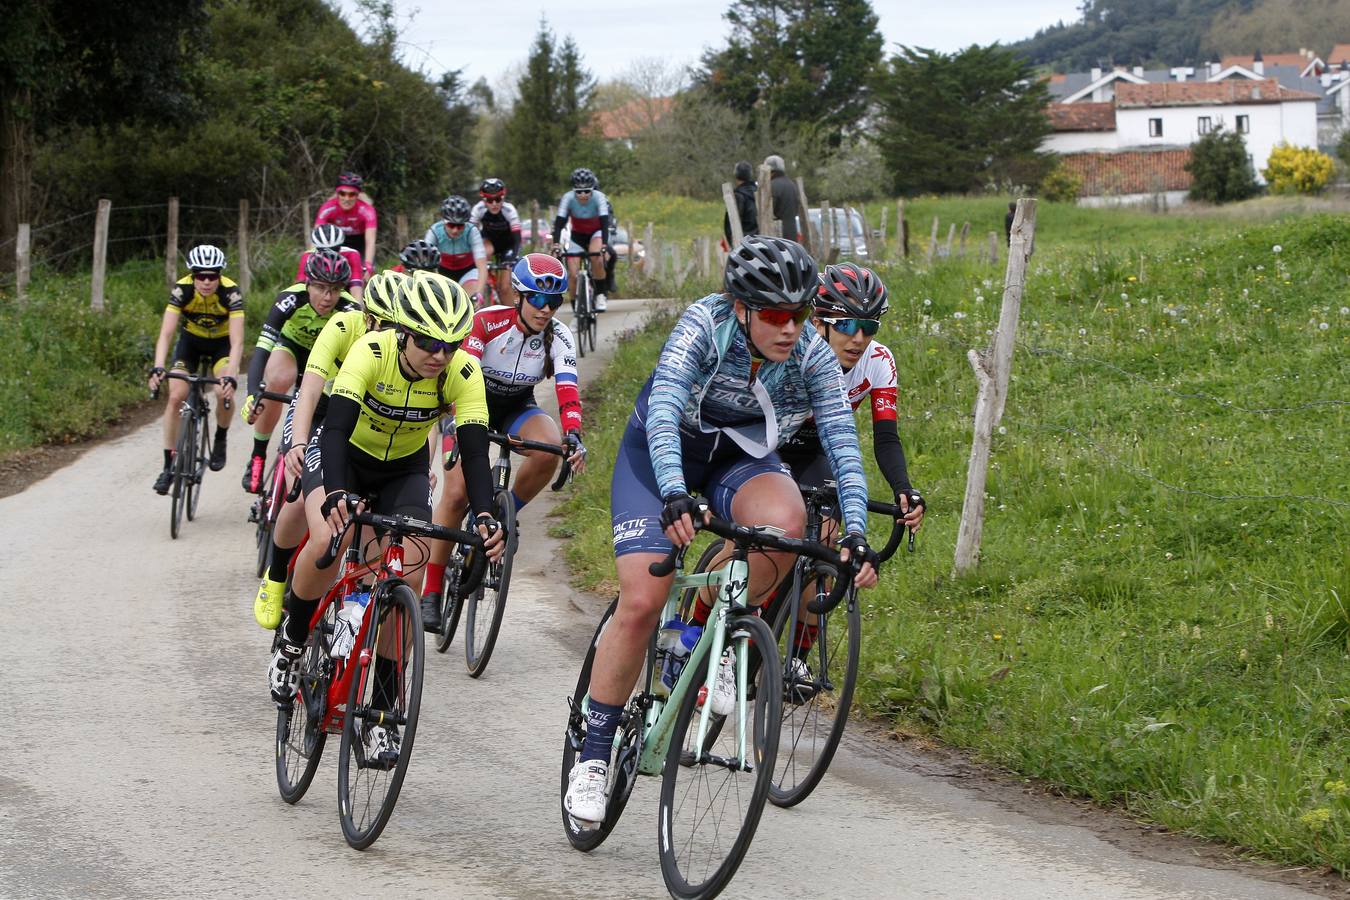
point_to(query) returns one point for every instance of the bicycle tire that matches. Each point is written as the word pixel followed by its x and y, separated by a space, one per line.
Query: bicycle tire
pixel 451 605
pixel 178 488
pixel 814 718
pixel 591 327
pixel 266 521
pixel 397 617
pixel 582 314
pixel 690 779
pixel 483 616
pixel 623 769
pixel 203 447
pixel 297 762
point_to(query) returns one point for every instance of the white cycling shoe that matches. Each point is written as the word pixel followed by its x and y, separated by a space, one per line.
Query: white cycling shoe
pixel 724 691
pixel 600 304
pixel 585 797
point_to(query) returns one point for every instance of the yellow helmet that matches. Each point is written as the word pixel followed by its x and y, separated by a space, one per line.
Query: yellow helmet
pixel 382 293
pixel 436 307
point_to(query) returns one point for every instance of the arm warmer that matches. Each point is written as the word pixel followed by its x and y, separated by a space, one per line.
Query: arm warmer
pixel 256 367
pixel 890 455
pixel 604 229
pixel 473 455
pixel 558 224
pixel 338 426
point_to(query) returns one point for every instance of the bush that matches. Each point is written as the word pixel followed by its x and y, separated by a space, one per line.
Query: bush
pixel 1298 170
pixel 1220 170
pixel 1061 185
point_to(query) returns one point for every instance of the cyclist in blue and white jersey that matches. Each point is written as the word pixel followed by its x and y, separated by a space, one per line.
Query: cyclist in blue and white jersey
pixel 587 210
pixel 460 243
pixel 736 379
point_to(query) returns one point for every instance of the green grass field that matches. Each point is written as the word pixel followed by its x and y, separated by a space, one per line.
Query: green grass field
pixel 1161 617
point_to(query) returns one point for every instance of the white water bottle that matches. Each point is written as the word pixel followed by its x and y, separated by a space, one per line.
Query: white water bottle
pixel 349 620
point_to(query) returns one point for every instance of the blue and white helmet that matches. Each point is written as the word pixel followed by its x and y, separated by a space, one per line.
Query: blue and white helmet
pixel 539 273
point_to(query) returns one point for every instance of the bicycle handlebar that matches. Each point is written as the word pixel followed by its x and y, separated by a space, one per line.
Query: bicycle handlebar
pixel 826 495
pixel 516 445
pixel 191 379
pixel 265 394
pixel 402 525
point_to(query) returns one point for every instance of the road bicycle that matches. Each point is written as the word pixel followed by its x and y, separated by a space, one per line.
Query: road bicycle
pixel 378 682
pixel 266 505
pixel 492 295
pixel 484 606
pixel 714 779
pixel 824 637
pixel 193 450
pixel 583 308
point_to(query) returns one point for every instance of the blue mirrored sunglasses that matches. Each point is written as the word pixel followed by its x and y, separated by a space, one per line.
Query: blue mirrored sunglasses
pixel 850 327
pixel 543 301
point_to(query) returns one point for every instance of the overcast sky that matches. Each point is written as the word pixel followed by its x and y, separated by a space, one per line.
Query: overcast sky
pixel 487 40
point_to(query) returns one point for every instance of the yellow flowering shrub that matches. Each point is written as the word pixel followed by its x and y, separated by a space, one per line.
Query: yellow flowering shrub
pixel 1302 170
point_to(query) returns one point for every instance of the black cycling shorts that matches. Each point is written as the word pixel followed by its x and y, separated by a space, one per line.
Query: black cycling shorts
pixel 396 486
pixel 192 352
pixel 298 352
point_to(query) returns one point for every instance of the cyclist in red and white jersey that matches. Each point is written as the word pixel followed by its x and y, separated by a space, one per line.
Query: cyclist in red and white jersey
pixel 586 210
pixel 517 348
pixel 354 215
pixel 330 237
pixel 500 225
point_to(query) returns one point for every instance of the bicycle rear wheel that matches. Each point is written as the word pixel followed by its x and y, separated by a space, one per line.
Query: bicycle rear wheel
pixel 266 508
pixel 386 692
pixel 451 603
pixel 486 605
pixel 815 701
pixel 710 808
pixel 300 731
pixel 623 768
pixel 202 446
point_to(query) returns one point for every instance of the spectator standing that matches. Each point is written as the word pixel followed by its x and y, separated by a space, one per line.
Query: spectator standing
pixel 1008 222
pixel 744 195
pixel 786 207
pixel 354 215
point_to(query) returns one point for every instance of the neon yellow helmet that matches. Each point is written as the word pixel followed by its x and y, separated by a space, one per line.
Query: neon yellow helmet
pixel 381 295
pixel 436 307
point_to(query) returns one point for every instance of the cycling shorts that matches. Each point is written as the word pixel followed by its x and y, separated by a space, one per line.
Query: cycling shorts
pixel 465 276
pixel 580 243
pixel 357 241
pixel 716 469
pixel 298 352
pixel 193 352
pixel 502 418
pixel 503 244
pixel 288 424
pixel 396 487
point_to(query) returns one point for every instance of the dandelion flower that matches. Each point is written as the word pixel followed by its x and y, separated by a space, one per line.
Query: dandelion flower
pixel 1345 310
pixel 1276 249
pixel 1322 326
pixel 927 301
pixel 1124 296
pixel 1082 332
pixel 1003 429
pixel 958 315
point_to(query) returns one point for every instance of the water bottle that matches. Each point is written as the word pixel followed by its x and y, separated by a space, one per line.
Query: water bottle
pixel 349 620
pixel 683 640
pixel 667 639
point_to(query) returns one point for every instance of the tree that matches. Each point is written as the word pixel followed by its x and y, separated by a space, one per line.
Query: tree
pixel 1220 170
pixel 960 122
pixel 797 62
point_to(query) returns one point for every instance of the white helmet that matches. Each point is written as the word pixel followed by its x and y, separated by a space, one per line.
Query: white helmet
pixel 327 236
pixel 206 256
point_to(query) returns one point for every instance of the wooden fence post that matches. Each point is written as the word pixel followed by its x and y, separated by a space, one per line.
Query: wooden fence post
pixel 23 261
pixel 632 240
pixel 171 245
pixel 704 263
pixel 992 370
pixel 764 204
pixel 901 229
pixel 867 233
pixel 993 247
pixel 649 262
pixel 733 214
pixel 932 241
pixel 965 233
pixel 306 223
pixel 881 242
pixel 245 276
pixel 100 254
pixel 804 217
pixel 401 230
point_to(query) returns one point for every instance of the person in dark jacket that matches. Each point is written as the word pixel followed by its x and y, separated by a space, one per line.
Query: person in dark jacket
pixel 786 206
pixel 744 196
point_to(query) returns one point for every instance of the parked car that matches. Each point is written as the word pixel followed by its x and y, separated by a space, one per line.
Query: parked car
pixel 849 239
pixel 619 240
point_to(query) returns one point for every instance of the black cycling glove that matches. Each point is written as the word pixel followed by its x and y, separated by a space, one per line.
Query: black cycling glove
pixel 913 497
pixel 858 552
pixel 677 505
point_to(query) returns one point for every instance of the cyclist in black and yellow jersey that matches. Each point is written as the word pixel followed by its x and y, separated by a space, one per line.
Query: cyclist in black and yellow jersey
pixel 307 411
pixel 293 324
pixel 389 394
pixel 211 309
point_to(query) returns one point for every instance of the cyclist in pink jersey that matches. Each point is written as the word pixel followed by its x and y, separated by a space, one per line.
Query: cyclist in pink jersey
pixel 330 237
pixel 355 216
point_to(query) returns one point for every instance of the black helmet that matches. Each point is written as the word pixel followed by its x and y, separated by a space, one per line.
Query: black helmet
pixel 420 255
pixel 327 267
pixel 492 187
pixel 851 291
pixel 350 179
pixel 584 180
pixel 455 210
pixel 771 271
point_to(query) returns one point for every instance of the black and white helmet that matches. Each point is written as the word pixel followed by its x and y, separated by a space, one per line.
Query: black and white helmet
pixel 206 256
pixel 455 210
pixel 327 237
pixel 771 271
pixel 584 179
pixel 850 291
pixel 420 255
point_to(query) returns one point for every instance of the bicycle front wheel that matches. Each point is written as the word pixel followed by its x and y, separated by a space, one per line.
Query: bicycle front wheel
pixel 202 448
pixel 710 801
pixel 583 312
pixel 385 693
pixel 182 456
pixel 266 509
pixel 300 731
pixel 817 690
pixel 486 605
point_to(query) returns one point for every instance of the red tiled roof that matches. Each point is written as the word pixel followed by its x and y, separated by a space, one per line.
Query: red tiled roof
pixel 632 118
pixel 1270 59
pixel 1206 93
pixel 1130 171
pixel 1082 116
pixel 1339 54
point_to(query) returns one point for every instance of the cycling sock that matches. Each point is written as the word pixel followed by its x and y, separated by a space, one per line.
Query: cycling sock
pixel 260 444
pixel 168 459
pixel 701 612
pixel 435 577
pixel 515 498
pixel 602 720
pixel 298 613
pixel 281 561
pixel 221 435
pixel 385 689
pixel 804 639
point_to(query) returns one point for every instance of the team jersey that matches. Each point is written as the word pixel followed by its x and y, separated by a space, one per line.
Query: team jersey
pixel 704 384
pixel 513 362
pixel 208 316
pixel 583 217
pixel 292 317
pixel 353 259
pixel 457 252
pixel 397 413
pixel 507 219
pixel 356 221
pixel 873 378
pixel 342 331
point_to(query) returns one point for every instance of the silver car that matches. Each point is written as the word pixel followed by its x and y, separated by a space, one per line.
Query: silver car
pixel 849 239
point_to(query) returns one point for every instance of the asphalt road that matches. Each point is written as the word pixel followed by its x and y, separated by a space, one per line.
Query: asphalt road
pixel 137 736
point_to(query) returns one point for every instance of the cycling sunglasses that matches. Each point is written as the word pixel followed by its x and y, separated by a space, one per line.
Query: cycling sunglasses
pixel 206 276
pixel 581 193
pixel 778 317
pixel 851 327
pixel 493 199
pixel 348 193
pixel 543 301
pixel 432 345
